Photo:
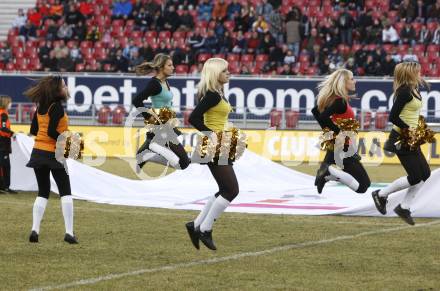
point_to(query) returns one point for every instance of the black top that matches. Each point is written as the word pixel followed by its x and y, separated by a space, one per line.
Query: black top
pixel 56 112
pixel 210 100
pixel 154 87
pixel 339 106
pixel 402 96
pixel 5 141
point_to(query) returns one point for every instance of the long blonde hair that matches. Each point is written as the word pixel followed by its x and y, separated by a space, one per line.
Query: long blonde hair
pixel 210 74
pixel 333 86
pixel 158 62
pixel 408 74
pixel 4 101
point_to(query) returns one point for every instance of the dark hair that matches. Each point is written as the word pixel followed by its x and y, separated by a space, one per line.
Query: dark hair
pixel 46 91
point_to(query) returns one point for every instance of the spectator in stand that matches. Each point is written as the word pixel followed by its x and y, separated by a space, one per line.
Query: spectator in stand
pixel 287 70
pixel 134 61
pixel 219 11
pixel 5 54
pixel 158 21
pixel 28 32
pixel 260 25
pixel 434 12
pixel 265 9
pixel 211 42
pixel 244 70
pixel 346 24
pixel 44 51
pixel 219 29
pixel 324 67
pixel 387 66
pixel 364 25
pixel 276 25
pixel 425 35
pixel 186 22
pixel 371 67
pixel 73 16
pixel 397 58
pixel 80 31
pixel 410 56
pixel 378 54
pixel 289 58
pixel 335 57
pixel 52 30
pixel 129 48
pixel 351 65
pixel 293 34
pixel 375 34
pixel 407 11
pixel 436 36
pixel 162 48
pixel 151 7
pixel 205 10
pixel 395 4
pixel 277 55
pixel 266 44
pixel 75 54
pixel 314 39
pixel 56 10
pixel 122 9
pixel 253 43
pixel 120 63
pixel 178 56
pixel 86 8
pixel 65 63
pixel 20 20
pixel 225 43
pixel 146 51
pixel 389 34
pixel 196 41
pixel 408 34
pixel 65 32
pixel 233 10
pixel 93 34
pixel 421 11
pixel 60 49
pixel 244 20
pixel 240 44
pixel 35 17
pixel 172 19
pixel 141 19
pixel 50 64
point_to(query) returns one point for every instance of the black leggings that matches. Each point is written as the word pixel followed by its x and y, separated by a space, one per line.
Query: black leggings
pixel 43 180
pixel 352 166
pixel 226 180
pixel 415 166
pixel 5 171
pixel 176 149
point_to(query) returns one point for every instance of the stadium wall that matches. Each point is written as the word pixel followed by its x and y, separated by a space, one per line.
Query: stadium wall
pixel 287 146
pixel 259 95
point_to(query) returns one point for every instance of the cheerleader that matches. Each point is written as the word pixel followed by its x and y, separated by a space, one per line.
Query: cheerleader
pixel 48 123
pixel 405 115
pixel 5 146
pixel 210 116
pixel 333 104
pixel 159 91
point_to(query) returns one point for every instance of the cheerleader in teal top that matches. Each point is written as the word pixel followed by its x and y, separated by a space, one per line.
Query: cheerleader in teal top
pixel 159 91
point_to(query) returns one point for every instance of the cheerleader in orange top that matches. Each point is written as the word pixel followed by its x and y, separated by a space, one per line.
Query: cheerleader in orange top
pixel 48 123
pixel 5 146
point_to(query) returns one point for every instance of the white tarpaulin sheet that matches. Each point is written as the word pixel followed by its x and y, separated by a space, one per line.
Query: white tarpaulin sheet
pixel 265 187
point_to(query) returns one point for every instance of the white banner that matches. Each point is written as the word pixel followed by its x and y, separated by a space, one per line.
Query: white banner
pixel 265 187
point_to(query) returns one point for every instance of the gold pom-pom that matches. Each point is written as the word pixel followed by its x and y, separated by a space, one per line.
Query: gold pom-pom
pixel 160 116
pixel 328 137
pixel 230 144
pixel 415 137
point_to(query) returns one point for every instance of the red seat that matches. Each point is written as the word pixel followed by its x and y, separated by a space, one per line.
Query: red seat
pixel 118 115
pixel 262 58
pixel 247 58
pixel 164 35
pixel 186 115
pixel 181 69
pixel 79 67
pixel 233 57
pixel 292 118
pixel 203 57
pixel 275 118
pixel 381 120
pixel 179 34
pixel 151 34
pixel 103 114
pixel 366 122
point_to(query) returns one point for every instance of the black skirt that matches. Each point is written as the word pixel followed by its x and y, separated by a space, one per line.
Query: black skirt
pixel 43 159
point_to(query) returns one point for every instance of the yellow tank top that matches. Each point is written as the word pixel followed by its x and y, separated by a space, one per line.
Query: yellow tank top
pixel 410 113
pixel 43 141
pixel 216 118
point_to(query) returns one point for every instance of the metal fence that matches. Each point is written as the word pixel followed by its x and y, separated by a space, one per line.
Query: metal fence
pixel 301 118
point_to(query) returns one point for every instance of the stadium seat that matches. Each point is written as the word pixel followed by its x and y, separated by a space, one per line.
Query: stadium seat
pixel 118 115
pixel 366 122
pixel 203 57
pixel 103 114
pixel 381 120
pixel 181 69
pixel 275 118
pixel 292 117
